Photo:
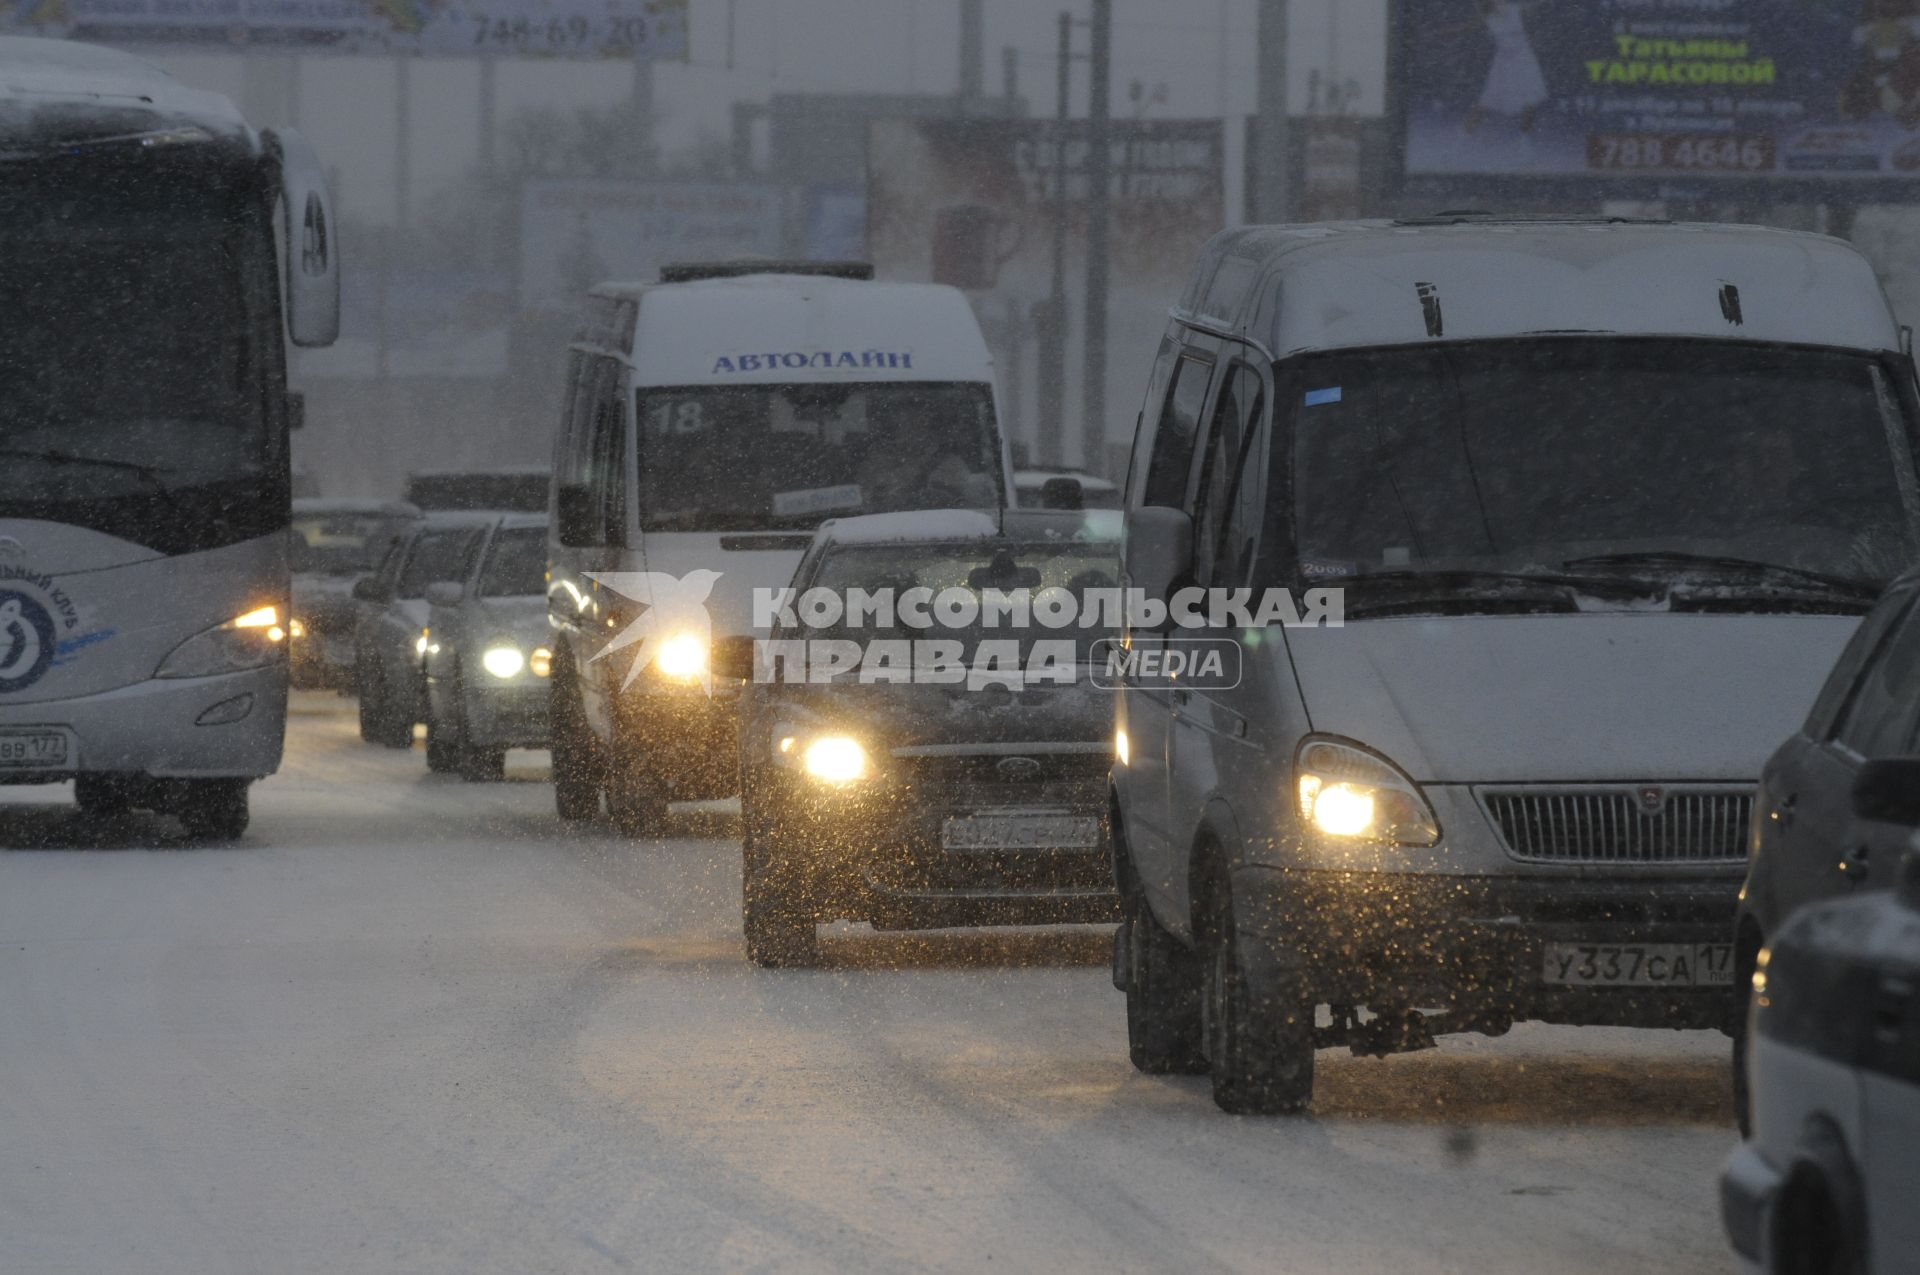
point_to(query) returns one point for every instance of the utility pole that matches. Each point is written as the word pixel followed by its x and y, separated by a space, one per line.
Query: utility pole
pixel 1053 329
pixel 973 63
pixel 1272 201
pixel 1099 235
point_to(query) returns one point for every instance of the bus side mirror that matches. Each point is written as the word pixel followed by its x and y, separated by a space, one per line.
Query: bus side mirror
pixel 311 249
pixel 1159 549
pixel 573 515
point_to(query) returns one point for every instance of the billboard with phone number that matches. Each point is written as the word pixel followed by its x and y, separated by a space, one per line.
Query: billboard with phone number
pixel 1642 93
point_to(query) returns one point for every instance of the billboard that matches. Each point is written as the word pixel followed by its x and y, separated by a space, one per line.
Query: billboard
pixel 1634 95
pixel 575 233
pixel 973 203
pixel 650 29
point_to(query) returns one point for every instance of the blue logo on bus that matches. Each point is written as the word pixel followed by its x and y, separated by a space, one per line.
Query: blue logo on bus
pixel 26 640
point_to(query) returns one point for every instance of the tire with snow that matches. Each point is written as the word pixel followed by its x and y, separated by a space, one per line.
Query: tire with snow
pixel 483 765
pixel 214 809
pixel 103 796
pixel 776 917
pixel 382 720
pixel 1163 987
pixel 576 788
pixel 1259 1023
pixel 445 755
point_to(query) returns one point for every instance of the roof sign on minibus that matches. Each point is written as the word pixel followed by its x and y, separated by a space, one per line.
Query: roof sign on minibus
pixel 798 359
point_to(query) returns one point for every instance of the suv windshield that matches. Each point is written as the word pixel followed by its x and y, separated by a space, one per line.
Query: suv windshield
pixel 741 458
pixel 516 565
pixel 1645 458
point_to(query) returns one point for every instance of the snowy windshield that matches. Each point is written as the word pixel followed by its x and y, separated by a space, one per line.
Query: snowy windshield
pixel 516 565
pixel 1516 455
pixel 789 456
pixel 128 358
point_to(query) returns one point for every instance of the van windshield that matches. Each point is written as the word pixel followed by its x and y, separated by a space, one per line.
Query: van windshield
pixel 753 457
pixel 1636 457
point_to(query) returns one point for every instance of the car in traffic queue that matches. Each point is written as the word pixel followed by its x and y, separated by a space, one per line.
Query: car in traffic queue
pixel 1602 501
pixel 1826 1180
pixel 1064 489
pixel 713 420
pixel 1810 843
pixel 334 543
pixel 390 634
pixel 917 799
pixel 508 488
pixel 489 651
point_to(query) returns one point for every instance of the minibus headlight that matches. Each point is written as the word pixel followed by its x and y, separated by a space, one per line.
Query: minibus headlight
pixel 252 639
pixel 682 657
pixel 503 660
pixel 1344 791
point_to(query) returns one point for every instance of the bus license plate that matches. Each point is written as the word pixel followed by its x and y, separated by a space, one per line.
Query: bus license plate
pixel 33 749
pixel 1020 832
pixel 1639 964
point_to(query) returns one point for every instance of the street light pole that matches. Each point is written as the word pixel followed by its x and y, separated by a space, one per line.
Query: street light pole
pixel 1099 241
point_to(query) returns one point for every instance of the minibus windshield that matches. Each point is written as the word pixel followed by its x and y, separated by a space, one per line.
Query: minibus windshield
pixel 742 458
pixel 1646 457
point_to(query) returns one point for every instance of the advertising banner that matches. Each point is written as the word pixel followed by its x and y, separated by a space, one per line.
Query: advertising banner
pixel 1627 92
pixel 576 233
pixel 632 29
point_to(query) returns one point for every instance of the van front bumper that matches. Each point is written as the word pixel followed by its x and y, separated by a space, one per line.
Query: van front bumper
pixel 228 727
pixel 1479 944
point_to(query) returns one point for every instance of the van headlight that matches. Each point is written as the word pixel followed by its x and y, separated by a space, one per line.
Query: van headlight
pixel 1344 791
pixel 503 660
pixel 250 640
pixel 682 657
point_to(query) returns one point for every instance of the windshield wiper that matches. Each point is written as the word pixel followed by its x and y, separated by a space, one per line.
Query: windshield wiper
pixel 146 473
pixel 1470 591
pixel 1712 562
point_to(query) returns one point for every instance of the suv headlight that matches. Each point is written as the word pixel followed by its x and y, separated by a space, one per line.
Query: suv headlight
pixel 833 759
pixel 1344 791
pixel 252 640
pixel 503 660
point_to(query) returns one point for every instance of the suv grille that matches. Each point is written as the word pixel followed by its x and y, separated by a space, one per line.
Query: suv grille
pixel 1624 826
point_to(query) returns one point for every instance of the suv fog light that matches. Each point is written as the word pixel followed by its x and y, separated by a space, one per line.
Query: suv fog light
pixel 503 661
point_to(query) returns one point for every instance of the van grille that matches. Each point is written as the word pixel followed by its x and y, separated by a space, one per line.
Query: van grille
pixel 1623 826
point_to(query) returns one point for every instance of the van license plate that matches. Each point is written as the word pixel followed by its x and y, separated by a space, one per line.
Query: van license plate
pixel 1639 964
pixel 33 749
pixel 1020 832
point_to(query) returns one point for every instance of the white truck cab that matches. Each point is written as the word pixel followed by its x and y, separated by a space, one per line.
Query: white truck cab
pixel 712 421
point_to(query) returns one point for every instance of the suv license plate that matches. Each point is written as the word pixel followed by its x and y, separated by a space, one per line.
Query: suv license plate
pixel 1639 964
pixel 33 749
pixel 1020 832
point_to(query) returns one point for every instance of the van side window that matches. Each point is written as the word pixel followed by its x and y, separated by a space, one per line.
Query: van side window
pixel 566 443
pixel 1224 475
pixel 607 482
pixel 1173 441
pixel 1246 505
pixel 1148 426
pixel 1880 720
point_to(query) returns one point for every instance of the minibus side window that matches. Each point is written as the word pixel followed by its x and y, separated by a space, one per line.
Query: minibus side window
pixel 1227 511
pixel 608 482
pixel 1147 427
pixel 573 460
pixel 1173 442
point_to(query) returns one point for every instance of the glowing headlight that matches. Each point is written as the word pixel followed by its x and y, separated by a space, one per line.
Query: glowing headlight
pixel 1122 747
pixel 420 643
pixel 503 661
pixel 247 641
pixel 261 618
pixel 835 759
pixel 682 657
pixel 541 662
pixel 1345 791
pixel 296 629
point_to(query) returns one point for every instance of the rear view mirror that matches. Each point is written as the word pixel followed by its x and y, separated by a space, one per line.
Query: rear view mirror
pixel 574 518
pixel 312 256
pixel 445 593
pixel 367 589
pixel 1888 791
pixel 1159 550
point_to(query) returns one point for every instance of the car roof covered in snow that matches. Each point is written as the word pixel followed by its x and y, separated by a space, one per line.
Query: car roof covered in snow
pixel 787 328
pixel 1343 285
pixel 46 87
pixel 963 526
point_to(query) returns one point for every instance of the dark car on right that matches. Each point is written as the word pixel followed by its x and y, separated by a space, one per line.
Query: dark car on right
pixel 1809 843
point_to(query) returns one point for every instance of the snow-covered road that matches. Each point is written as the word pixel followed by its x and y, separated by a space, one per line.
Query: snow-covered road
pixel 414 1024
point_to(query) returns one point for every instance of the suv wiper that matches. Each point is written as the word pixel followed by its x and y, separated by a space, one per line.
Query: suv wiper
pixel 146 473
pixel 1710 562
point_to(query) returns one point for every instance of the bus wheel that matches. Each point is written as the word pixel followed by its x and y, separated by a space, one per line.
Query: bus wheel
pixel 213 809
pixel 102 796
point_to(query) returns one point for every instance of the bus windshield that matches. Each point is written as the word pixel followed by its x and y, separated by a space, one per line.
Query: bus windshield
pixel 1564 454
pixel 742 458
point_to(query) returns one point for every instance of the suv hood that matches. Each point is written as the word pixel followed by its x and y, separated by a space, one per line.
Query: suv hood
pixel 1576 698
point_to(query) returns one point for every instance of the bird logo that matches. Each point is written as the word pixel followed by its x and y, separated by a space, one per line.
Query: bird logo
pixel 675 623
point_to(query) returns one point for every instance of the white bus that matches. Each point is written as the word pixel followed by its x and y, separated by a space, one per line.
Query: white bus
pixel 712 422
pixel 144 415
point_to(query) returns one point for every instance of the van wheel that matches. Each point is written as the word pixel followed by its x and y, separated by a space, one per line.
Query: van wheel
pixel 576 790
pixel 637 802
pixel 1163 997
pixel 1259 1024
pixel 369 708
pixel 214 809
pixel 780 929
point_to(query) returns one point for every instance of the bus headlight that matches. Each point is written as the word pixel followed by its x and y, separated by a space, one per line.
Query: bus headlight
pixel 682 657
pixel 250 640
pixel 503 661
pixel 835 759
pixel 1344 791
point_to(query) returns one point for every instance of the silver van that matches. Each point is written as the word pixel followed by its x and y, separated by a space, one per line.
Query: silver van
pixel 1602 502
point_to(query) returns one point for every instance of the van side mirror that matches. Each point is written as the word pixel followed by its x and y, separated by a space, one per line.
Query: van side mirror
pixel 1158 550
pixel 1888 791
pixel 445 593
pixel 367 589
pixel 573 515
